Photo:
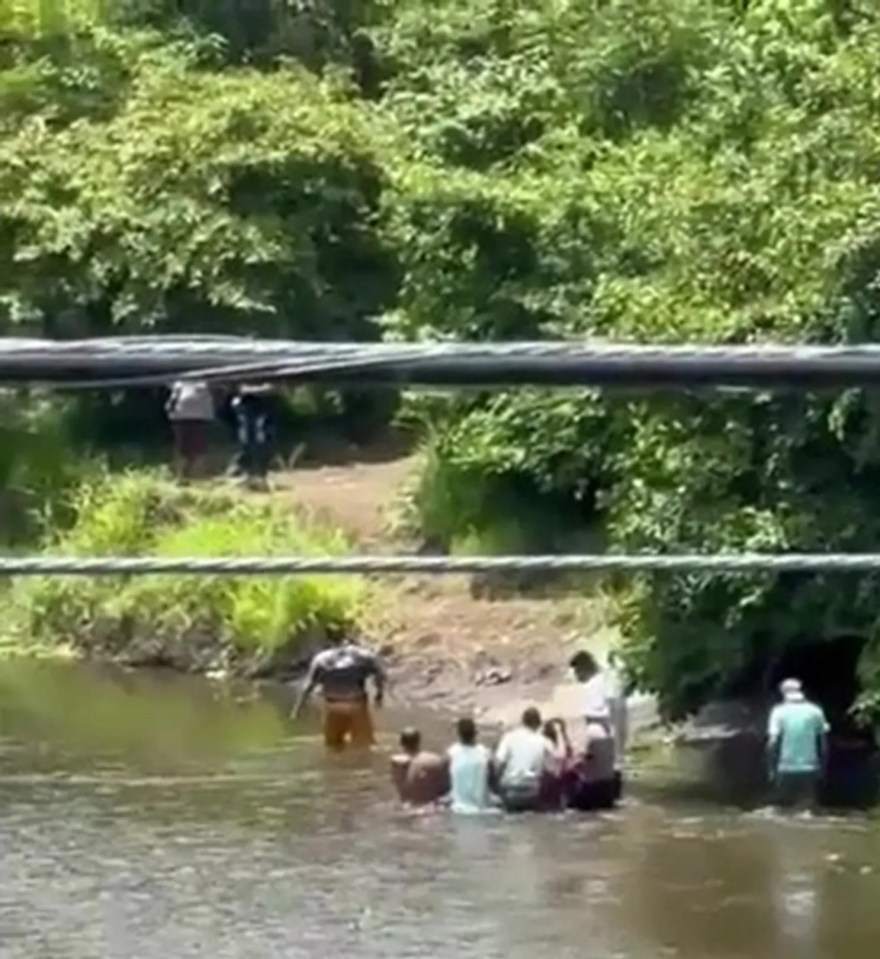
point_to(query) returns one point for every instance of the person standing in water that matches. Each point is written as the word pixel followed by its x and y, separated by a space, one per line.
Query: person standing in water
pixel 470 769
pixel 342 671
pixel 522 760
pixel 797 747
pixel 421 777
pixel 598 779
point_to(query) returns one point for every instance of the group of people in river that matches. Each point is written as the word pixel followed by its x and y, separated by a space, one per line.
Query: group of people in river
pixel 535 766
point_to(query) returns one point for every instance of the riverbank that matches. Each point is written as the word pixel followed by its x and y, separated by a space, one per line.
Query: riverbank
pixel 452 643
pixel 458 643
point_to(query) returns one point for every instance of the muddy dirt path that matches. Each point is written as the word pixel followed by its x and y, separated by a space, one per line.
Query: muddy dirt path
pixel 449 646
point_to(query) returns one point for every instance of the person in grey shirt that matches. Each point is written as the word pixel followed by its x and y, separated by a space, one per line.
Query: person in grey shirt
pixel 190 410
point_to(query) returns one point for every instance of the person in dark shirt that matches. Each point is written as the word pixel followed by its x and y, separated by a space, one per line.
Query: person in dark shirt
pixel 342 671
pixel 252 411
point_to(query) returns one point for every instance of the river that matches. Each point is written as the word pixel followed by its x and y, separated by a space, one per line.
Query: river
pixel 144 817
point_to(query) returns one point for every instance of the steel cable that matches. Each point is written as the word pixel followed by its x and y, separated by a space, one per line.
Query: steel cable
pixel 404 564
pixel 138 361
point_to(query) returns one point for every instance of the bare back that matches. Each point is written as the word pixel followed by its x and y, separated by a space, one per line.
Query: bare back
pixel 420 779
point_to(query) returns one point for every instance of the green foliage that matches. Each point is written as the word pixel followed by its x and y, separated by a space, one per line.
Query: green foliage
pixel 37 466
pixel 209 201
pixel 675 171
pixel 192 622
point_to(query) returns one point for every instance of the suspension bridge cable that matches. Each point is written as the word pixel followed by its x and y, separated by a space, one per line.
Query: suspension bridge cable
pixel 735 563
pixel 140 361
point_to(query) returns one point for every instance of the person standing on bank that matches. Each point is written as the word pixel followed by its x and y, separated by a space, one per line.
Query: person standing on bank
pixel 251 407
pixel 190 409
pixel 342 671
pixel 797 735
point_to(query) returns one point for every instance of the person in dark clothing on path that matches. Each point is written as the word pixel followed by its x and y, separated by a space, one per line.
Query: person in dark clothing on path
pixel 341 671
pixel 252 409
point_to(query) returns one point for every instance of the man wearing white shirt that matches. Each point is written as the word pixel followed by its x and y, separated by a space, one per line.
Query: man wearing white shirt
pixel 598 774
pixel 524 756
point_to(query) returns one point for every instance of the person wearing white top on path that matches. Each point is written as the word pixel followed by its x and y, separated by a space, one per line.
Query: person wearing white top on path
pixel 522 759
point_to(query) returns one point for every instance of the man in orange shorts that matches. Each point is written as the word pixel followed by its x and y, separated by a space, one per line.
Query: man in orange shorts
pixel 342 671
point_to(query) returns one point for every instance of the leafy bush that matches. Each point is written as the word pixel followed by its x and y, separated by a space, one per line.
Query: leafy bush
pixel 38 468
pixel 707 173
pixel 224 202
pixel 199 622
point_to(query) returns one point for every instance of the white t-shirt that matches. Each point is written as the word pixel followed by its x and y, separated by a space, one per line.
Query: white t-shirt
pixel 523 754
pixel 595 697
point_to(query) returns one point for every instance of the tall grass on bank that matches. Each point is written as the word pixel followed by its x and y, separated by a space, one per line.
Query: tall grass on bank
pixel 196 623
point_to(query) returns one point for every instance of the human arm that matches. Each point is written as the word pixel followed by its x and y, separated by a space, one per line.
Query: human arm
pixel 822 731
pixel 567 750
pixel 774 738
pixel 313 678
pixel 379 679
pixel 501 758
pixel 171 402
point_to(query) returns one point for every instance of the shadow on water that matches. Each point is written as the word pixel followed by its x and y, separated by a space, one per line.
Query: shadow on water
pixel 157 816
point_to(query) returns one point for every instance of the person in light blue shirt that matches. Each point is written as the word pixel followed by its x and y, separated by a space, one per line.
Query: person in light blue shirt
pixel 797 743
pixel 470 766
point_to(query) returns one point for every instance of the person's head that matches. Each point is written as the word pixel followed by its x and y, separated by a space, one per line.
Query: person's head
pixel 466 730
pixel 584 665
pixel 531 719
pixel 792 690
pixel 335 635
pixel 411 741
pixel 550 731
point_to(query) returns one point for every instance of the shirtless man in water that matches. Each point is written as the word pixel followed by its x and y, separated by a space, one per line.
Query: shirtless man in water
pixel 421 777
pixel 342 671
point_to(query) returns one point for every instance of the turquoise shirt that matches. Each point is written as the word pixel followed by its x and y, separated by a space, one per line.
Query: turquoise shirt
pixel 469 774
pixel 798 728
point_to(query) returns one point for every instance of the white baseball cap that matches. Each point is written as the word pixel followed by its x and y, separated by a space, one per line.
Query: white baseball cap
pixel 792 690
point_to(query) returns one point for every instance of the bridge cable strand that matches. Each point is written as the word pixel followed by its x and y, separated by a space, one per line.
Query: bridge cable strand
pixel 146 361
pixel 693 563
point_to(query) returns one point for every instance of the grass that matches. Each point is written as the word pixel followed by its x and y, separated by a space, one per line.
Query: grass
pixel 192 622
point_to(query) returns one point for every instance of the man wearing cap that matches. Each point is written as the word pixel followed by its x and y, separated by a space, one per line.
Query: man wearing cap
pixel 796 742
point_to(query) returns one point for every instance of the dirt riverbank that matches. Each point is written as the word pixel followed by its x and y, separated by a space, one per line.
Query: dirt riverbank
pixel 451 645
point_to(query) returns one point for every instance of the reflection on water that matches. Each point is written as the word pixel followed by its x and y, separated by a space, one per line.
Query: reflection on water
pixel 148 817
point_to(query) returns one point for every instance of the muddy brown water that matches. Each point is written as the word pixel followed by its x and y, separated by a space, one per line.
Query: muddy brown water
pixel 147 818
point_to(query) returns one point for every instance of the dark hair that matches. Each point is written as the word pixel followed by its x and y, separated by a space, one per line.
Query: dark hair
pixel 466 729
pixel 550 731
pixel 410 740
pixel 531 718
pixel 583 662
pixel 335 633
